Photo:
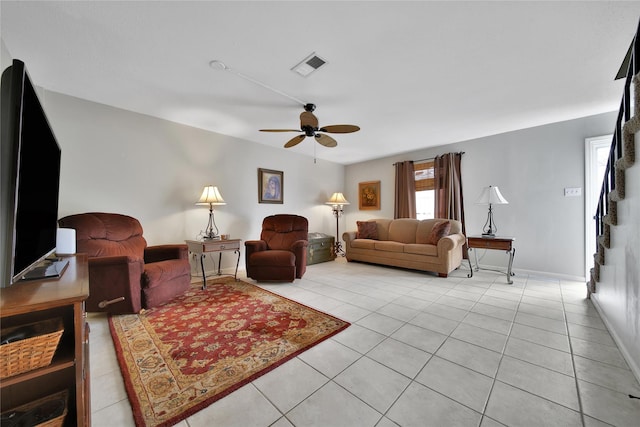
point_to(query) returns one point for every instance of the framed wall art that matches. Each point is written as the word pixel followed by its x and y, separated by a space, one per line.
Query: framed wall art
pixel 270 186
pixel 369 195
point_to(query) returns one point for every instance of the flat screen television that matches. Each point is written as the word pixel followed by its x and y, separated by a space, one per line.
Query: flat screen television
pixel 30 181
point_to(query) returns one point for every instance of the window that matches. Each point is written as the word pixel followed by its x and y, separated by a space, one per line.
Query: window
pixel 425 182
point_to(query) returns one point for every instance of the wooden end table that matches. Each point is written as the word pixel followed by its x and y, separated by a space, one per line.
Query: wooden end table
pixel 493 243
pixel 203 247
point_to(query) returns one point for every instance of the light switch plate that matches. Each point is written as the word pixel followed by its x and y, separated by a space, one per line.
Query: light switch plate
pixel 572 192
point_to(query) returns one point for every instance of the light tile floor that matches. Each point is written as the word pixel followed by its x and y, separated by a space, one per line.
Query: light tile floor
pixel 421 351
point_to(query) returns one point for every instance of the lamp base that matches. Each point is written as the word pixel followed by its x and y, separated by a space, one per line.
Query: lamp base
pixel 488 235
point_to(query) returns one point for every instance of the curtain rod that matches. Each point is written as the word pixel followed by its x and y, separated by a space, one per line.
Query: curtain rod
pixel 430 158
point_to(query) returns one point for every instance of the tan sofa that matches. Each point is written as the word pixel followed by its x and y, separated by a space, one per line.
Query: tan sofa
pixel 404 243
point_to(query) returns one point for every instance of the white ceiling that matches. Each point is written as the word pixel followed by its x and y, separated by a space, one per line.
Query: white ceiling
pixel 410 74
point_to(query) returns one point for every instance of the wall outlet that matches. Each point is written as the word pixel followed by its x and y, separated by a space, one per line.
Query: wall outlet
pixel 572 192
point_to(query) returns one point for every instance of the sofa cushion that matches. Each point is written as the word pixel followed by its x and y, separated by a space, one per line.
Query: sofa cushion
pixel 421 249
pixel 367 230
pixel 389 246
pixel 424 230
pixel 403 230
pixel 159 273
pixel 274 258
pixel 438 231
pixel 364 244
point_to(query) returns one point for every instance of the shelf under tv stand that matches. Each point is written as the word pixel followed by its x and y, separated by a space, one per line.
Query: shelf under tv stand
pixel 38 300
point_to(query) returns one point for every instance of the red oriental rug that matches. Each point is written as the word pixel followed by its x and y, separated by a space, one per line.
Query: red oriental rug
pixel 181 357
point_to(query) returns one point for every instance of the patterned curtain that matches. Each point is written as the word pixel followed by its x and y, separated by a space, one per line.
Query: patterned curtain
pixel 448 190
pixel 405 199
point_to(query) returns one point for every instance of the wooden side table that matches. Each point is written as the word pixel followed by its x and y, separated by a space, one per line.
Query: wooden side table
pixel 494 243
pixel 203 247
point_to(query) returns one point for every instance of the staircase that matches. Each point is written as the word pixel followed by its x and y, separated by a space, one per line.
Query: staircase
pixel 614 283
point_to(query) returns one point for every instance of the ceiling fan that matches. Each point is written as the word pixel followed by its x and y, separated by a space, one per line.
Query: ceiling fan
pixel 309 127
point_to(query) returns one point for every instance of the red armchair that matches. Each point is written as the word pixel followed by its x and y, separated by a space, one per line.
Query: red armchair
pixel 126 275
pixel 281 253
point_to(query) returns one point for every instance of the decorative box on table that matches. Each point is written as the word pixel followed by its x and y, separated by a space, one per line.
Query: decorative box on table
pixel 320 249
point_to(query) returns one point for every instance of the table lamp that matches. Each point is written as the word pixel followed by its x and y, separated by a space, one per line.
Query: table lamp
pixel 490 196
pixel 211 196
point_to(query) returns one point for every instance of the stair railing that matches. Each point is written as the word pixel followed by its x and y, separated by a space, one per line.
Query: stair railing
pixel 625 113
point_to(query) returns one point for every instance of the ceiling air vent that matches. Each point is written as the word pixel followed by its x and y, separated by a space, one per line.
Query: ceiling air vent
pixel 309 65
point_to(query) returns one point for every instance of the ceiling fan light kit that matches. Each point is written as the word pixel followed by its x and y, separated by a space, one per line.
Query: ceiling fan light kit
pixel 309 126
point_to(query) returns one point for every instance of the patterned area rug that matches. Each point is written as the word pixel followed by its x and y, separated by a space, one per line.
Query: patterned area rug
pixel 179 358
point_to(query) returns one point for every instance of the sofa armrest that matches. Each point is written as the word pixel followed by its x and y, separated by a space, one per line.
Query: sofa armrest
pixel 252 246
pixel 299 248
pixel 255 245
pixel 348 236
pixel 449 243
pixel 299 245
pixel 165 252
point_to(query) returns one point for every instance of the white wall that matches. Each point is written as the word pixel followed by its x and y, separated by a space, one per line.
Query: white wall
pixel 531 167
pixel 118 161
pixel 618 292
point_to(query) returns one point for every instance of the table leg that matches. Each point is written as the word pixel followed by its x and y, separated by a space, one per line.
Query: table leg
pixel 512 254
pixel 470 267
pixel 204 276
pixel 475 255
pixel 219 263
pixel 235 275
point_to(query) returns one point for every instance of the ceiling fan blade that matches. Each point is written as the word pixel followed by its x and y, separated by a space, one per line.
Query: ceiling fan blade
pixel 326 140
pixel 308 119
pixel 294 141
pixel 340 128
pixel 280 130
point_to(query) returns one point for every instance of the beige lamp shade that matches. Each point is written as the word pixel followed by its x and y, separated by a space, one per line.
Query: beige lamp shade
pixel 211 196
pixel 337 199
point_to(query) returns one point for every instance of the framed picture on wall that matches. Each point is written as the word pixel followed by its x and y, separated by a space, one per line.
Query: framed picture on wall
pixel 369 195
pixel 270 186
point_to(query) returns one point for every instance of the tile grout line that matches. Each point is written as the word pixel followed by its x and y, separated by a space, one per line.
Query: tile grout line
pixel 573 361
pixel 413 380
pixel 502 354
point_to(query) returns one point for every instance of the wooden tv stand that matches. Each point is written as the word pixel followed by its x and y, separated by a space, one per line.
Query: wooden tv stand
pixel 38 300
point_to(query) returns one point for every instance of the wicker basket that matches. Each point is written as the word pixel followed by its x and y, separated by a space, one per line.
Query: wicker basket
pixel 39 412
pixel 33 352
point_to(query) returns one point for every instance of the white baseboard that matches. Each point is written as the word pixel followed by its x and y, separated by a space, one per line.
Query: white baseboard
pixel 542 274
pixel 635 369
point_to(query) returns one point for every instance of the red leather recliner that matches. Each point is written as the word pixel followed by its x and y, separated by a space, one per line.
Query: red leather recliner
pixel 126 275
pixel 281 253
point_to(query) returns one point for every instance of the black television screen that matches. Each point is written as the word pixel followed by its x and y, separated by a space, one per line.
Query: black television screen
pixel 33 176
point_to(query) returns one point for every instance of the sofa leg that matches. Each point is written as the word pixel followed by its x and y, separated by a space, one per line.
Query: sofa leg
pixel 443 275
